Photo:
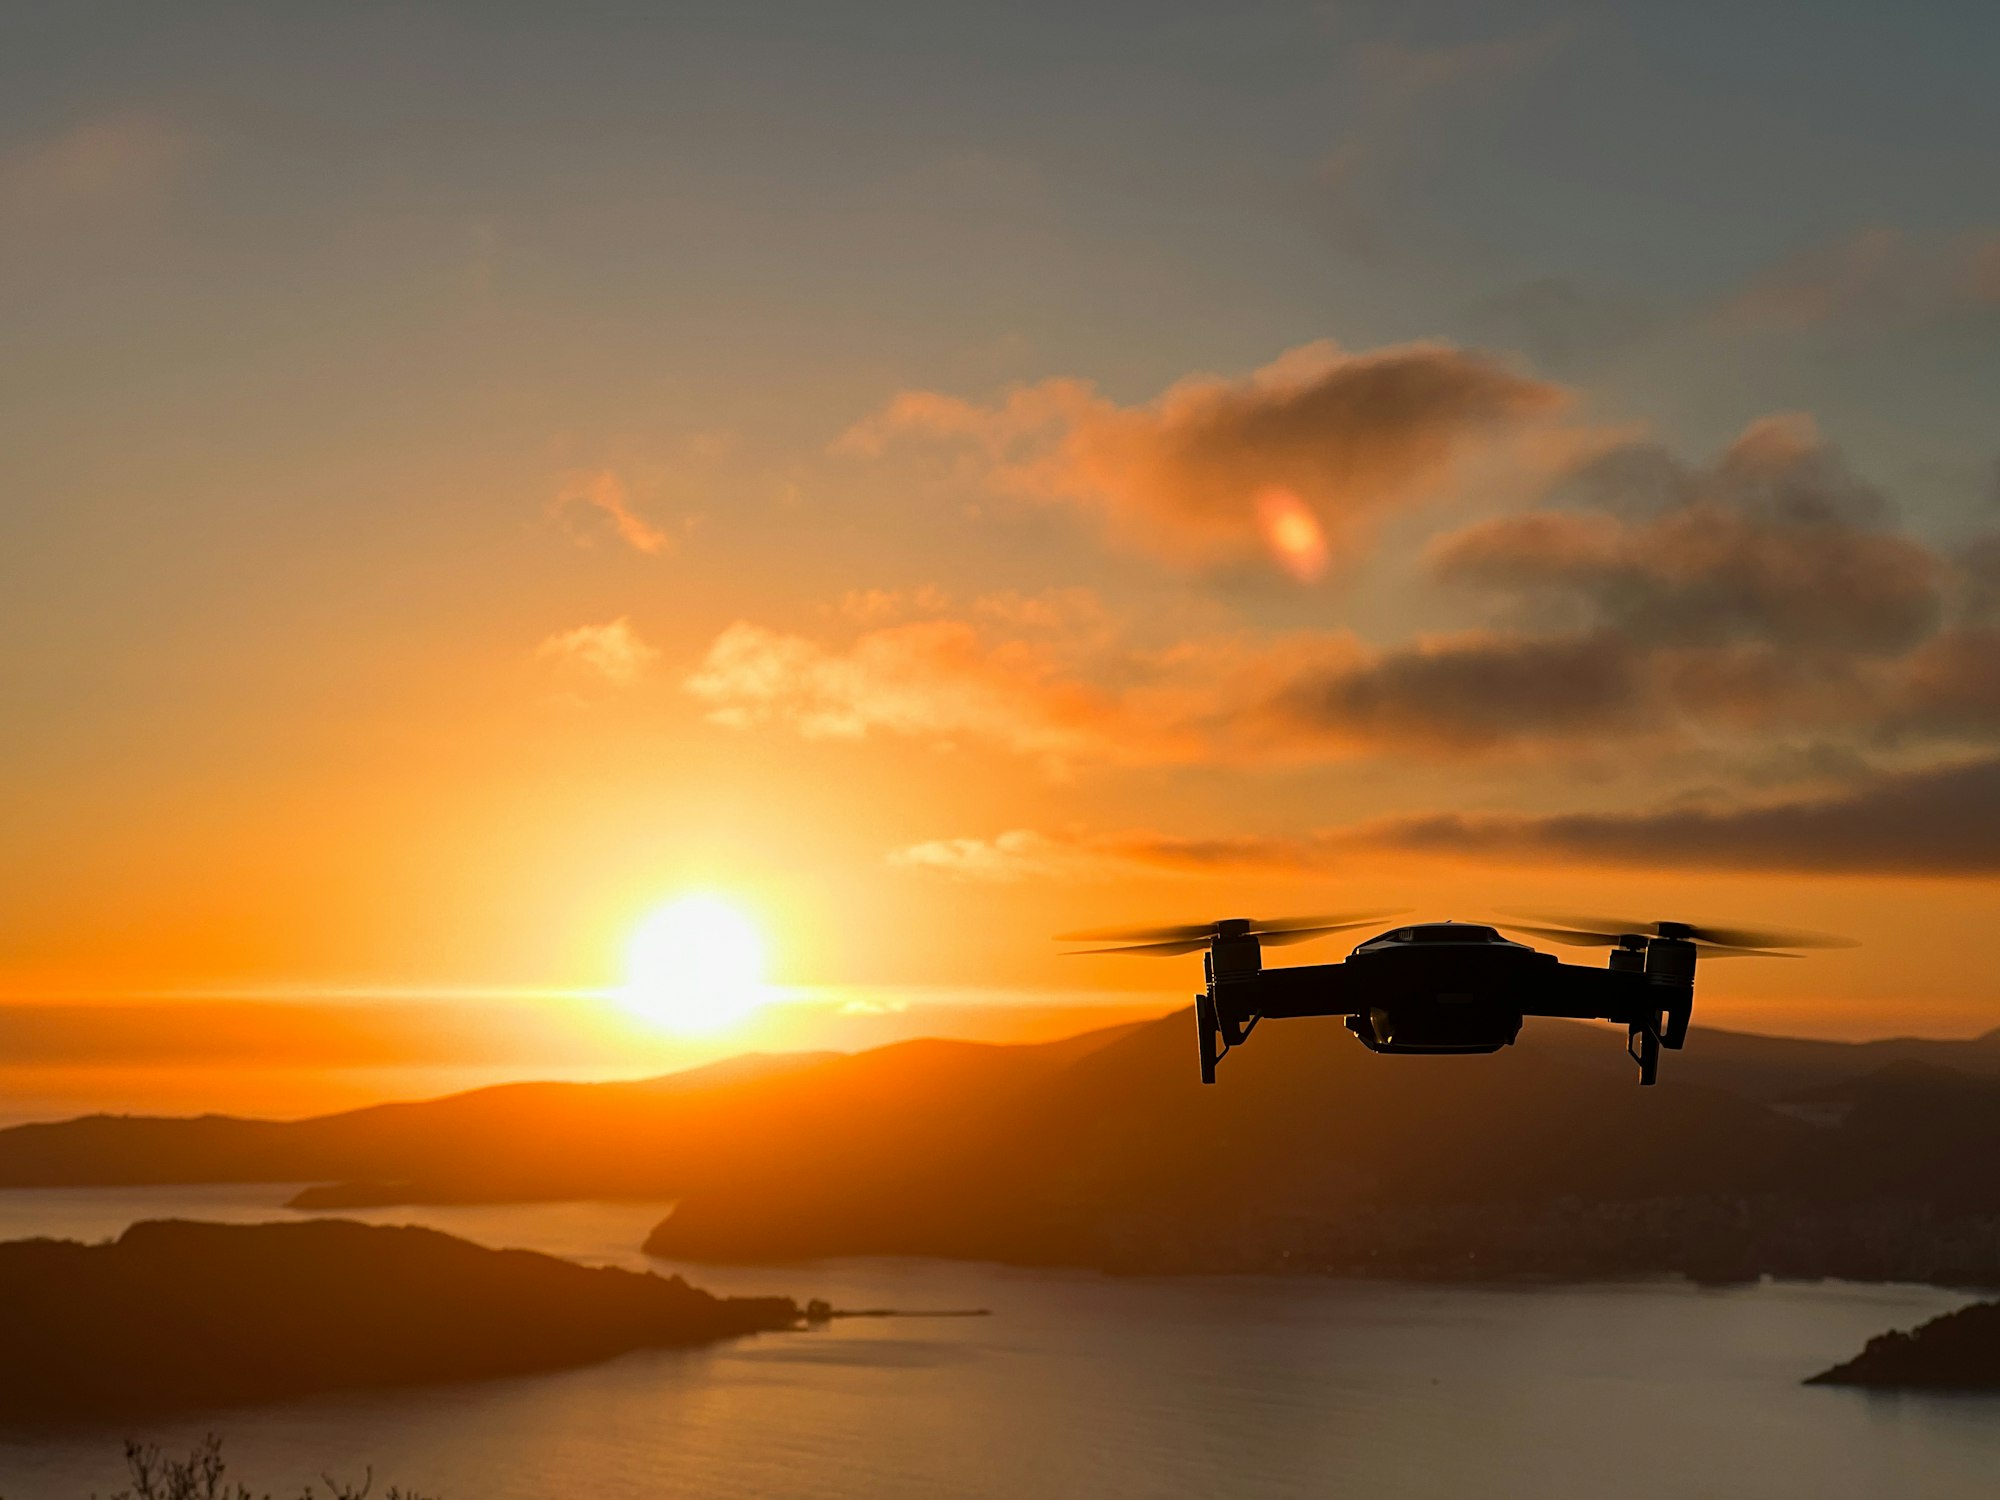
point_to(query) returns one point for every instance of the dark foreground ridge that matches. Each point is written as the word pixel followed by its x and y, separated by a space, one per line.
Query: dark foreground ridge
pixel 1957 1352
pixel 182 1316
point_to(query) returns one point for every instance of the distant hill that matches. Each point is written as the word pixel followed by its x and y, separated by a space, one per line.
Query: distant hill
pixel 1768 1068
pixel 180 1316
pixel 1124 1159
pixel 528 1141
pixel 1755 1154
pixel 1315 1154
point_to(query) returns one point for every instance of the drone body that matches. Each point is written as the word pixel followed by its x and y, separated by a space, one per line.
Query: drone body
pixel 1445 987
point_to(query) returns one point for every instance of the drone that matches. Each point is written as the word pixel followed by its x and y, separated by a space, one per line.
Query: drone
pixel 1452 987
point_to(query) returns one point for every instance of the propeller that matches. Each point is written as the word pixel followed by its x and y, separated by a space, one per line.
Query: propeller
pixel 1191 937
pixel 1715 942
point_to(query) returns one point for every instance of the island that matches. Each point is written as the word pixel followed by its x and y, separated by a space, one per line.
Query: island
pixel 1957 1352
pixel 180 1316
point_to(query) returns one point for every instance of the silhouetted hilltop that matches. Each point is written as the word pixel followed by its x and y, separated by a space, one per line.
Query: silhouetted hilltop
pixel 528 1141
pixel 1959 1351
pixel 1768 1068
pixel 659 1136
pixel 176 1315
pixel 1757 1155
pixel 1315 1154
pixel 1123 1159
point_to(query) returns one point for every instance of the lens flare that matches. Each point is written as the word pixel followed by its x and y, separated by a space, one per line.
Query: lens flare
pixel 695 966
pixel 1293 533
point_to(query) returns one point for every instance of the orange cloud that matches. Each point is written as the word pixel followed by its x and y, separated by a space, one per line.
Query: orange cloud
pixel 613 652
pixel 1091 695
pixel 1676 607
pixel 1291 462
pixel 942 680
pixel 1081 691
pixel 603 492
pixel 1018 854
pixel 1941 822
pixel 1025 854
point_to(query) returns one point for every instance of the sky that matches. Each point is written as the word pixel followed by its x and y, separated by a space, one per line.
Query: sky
pixel 937 476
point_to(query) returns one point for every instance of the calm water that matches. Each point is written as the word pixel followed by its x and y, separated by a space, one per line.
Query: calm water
pixel 1083 1385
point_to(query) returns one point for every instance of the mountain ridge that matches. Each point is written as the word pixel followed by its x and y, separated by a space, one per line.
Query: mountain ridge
pixel 1104 1150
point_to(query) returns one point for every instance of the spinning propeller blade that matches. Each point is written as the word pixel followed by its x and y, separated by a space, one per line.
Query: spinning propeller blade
pixel 1279 937
pixel 1148 950
pixel 1189 931
pixel 1569 935
pixel 1715 942
pixel 1188 937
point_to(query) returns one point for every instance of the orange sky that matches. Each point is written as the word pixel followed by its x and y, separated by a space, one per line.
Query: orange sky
pixel 453 520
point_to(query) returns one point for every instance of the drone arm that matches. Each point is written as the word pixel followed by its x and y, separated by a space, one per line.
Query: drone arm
pixel 1654 1006
pixel 1299 990
pixel 1581 993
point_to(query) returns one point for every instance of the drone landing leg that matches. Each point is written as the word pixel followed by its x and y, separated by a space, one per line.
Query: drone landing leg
pixel 1217 1040
pixel 1642 1044
pixel 1204 1021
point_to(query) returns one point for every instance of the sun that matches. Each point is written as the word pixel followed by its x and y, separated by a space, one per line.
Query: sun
pixel 695 966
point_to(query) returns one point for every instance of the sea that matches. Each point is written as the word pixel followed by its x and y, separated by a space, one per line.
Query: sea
pixel 1080 1384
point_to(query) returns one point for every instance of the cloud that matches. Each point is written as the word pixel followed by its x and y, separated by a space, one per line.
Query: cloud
pixel 941 680
pixel 1942 822
pixel 1475 692
pixel 613 652
pixel 1025 854
pixel 1289 463
pixel 1875 274
pixel 1776 542
pixel 602 491
pixel 1951 685
pixel 1056 677
pixel 111 162
pixel 1086 693
pixel 1666 606
pixel 1765 589
pixel 1051 676
pixel 1020 854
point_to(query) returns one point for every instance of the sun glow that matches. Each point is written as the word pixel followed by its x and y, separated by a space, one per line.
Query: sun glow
pixel 1293 533
pixel 695 966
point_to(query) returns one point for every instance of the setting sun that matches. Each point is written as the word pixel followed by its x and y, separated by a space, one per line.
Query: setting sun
pixel 695 966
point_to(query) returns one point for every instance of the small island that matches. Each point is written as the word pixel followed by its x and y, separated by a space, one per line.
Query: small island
pixel 1957 1352
pixel 177 1316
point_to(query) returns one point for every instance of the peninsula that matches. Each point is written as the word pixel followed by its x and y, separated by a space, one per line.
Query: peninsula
pixel 1957 1352
pixel 176 1316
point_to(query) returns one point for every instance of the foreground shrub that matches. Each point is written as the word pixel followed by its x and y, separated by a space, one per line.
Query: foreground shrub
pixel 203 1475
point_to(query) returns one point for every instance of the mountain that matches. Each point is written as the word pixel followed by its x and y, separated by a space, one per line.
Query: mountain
pixel 1123 1159
pixel 179 1316
pixel 1313 1153
pixel 529 1141
pixel 1769 1068
pixel 1756 1154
